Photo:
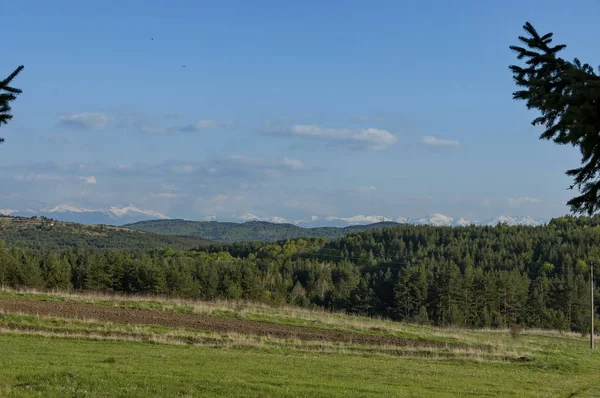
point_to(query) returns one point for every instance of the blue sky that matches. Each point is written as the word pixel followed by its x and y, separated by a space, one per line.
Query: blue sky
pixel 288 109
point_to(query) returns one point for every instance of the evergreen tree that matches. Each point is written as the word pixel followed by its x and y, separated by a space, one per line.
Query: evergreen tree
pixel 567 94
pixel 410 292
pixel 7 95
pixel 56 272
pixel 362 299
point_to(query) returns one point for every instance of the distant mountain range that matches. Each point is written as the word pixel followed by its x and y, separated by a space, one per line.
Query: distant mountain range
pixel 110 216
pixel 435 219
pixel 268 231
pixel 248 227
pixel 248 231
pixel 132 214
pixel 43 234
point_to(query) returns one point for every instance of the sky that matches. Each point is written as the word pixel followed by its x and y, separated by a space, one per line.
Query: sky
pixel 214 109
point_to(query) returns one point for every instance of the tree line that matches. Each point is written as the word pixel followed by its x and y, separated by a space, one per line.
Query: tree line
pixel 465 276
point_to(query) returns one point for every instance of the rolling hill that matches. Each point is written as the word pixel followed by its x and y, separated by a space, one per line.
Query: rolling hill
pixel 248 231
pixel 46 234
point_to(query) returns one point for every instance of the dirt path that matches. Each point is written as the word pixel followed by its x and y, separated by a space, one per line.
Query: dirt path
pixel 199 322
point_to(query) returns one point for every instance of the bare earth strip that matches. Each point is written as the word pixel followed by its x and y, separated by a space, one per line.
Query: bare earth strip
pixel 200 322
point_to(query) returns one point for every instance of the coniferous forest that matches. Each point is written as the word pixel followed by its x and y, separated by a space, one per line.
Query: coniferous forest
pixel 465 276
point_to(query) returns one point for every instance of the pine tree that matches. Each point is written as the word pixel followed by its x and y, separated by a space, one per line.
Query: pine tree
pixel 567 94
pixel 410 292
pixel 7 95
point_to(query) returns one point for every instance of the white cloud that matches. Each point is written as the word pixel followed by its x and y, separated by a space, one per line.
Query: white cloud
pixel 526 200
pixel 293 163
pixel 168 195
pixel 199 126
pixel 370 138
pixel 247 160
pixel 273 169
pixel 430 140
pixel 173 115
pixel 367 189
pixel 55 138
pixel 88 180
pixel 220 198
pixel 38 177
pixel 183 169
pixel 85 120
pixel 168 187
pixel 7 212
pixel 155 129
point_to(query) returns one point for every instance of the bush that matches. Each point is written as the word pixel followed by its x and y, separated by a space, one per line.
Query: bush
pixel 515 330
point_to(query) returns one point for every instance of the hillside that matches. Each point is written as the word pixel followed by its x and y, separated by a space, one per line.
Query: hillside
pixel 46 234
pixel 465 276
pixel 249 231
pixel 74 345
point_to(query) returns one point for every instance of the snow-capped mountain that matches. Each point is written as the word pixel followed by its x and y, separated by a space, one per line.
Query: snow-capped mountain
pixel 312 222
pixel 111 216
pixel 116 215
pixel 529 221
pixel 356 220
pixel 435 219
pixel 251 217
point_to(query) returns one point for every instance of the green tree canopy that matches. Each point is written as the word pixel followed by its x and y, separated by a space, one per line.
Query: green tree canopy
pixel 8 94
pixel 567 94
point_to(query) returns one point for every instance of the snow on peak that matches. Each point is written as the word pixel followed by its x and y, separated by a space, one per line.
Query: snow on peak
pixel 278 220
pixel 7 212
pixel 360 219
pixel 463 222
pixel 251 217
pixel 247 217
pixel 528 221
pixel 436 219
pixel 120 212
pixel 69 209
pixel 113 212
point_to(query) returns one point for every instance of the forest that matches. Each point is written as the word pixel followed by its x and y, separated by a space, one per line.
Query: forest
pixel 42 233
pixel 478 277
pixel 248 231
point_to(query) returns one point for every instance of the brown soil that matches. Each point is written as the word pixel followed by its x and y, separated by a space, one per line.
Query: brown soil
pixel 200 322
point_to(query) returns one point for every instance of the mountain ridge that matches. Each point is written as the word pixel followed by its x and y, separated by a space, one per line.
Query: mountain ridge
pixel 123 215
pixel 247 231
pixel 256 230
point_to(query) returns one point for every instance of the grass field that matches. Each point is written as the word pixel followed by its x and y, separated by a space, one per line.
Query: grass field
pixel 77 355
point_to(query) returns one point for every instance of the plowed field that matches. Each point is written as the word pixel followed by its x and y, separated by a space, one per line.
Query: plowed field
pixel 200 322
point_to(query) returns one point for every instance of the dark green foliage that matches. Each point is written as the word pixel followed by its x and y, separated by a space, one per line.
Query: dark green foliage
pixel 7 95
pixel 45 234
pixel 567 94
pixel 468 276
pixel 257 231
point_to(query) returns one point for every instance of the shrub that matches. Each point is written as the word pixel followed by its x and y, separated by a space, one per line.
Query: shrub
pixel 515 330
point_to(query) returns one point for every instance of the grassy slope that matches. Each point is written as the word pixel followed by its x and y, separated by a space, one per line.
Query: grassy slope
pixel 59 367
pixel 55 235
pixel 249 231
pixel 59 364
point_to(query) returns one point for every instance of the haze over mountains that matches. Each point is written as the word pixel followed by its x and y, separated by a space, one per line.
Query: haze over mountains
pixel 130 214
